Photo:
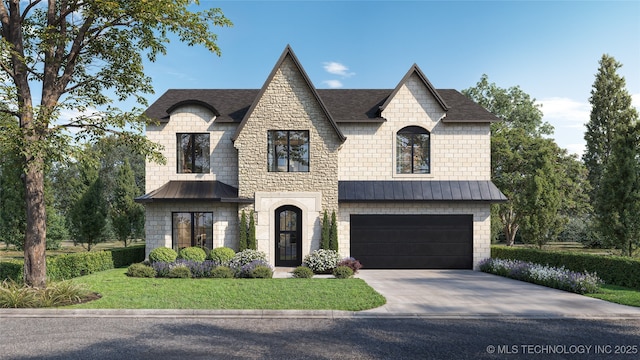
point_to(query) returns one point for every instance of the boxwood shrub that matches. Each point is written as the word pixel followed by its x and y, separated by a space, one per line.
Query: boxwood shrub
pixel 193 253
pixel 163 254
pixel 613 270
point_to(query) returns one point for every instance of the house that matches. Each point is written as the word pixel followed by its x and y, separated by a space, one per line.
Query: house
pixel 407 170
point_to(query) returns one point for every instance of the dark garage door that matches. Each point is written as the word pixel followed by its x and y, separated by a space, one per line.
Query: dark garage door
pixel 412 241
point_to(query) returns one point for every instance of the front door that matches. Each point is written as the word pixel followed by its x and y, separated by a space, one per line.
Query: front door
pixel 288 236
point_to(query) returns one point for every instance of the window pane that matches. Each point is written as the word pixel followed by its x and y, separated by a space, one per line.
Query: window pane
pixel 421 153
pixel 403 154
pixel 277 152
pixel 299 151
pixel 185 146
pixel 203 228
pixel 413 151
pixel 201 153
pixel 181 230
pixel 193 153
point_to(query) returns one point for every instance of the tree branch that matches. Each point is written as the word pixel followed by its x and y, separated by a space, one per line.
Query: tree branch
pixel 31 5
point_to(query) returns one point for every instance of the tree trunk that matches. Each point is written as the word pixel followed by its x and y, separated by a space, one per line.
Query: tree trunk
pixel 35 267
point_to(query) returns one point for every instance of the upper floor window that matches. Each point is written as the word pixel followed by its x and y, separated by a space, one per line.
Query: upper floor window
pixel 413 151
pixel 288 150
pixel 193 153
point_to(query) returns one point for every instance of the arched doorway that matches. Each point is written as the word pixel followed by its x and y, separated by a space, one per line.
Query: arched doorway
pixel 288 236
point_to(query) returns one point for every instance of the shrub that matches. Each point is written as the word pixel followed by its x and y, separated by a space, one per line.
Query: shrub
pixel 126 256
pixel 162 268
pixel 181 272
pixel 246 270
pixel 351 263
pixel 322 261
pixel 262 272
pixel 192 253
pixel 140 270
pixel 198 269
pixel 68 266
pixel 558 278
pixel 342 272
pixel 302 272
pixel 11 270
pixel 222 255
pixel 222 272
pixel 163 254
pixel 614 270
pixel 14 295
pixel 246 256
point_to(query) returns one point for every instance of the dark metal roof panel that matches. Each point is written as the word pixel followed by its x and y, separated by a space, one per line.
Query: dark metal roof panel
pixel 409 190
pixel 192 191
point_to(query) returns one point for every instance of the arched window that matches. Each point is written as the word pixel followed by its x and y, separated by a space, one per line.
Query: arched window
pixel 413 151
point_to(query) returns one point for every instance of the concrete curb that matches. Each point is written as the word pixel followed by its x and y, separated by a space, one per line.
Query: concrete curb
pixel 284 314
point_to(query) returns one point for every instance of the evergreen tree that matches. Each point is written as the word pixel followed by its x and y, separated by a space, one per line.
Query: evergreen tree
pixel 89 216
pixel 251 235
pixel 333 233
pixel 618 198
pixel 611 114
pixel 326 228
pixel 127 216
pixel 612 158
pixel 242 244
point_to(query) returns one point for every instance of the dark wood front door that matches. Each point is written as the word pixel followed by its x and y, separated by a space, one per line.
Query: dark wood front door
pixel 288 236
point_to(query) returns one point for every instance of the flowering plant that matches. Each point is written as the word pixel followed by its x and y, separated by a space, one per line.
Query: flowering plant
pixel 322 260
pixel 558 278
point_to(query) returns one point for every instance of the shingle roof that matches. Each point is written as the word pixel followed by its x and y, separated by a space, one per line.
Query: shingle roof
pixel 192 191
pixel 415 190
pixel 345 105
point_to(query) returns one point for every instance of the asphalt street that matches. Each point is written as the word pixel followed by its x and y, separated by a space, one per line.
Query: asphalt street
pixel 281 338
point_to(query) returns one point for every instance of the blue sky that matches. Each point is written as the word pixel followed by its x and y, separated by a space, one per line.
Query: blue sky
pixel 550 49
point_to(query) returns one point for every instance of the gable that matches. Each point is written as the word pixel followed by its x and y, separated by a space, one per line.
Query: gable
pixel 288 83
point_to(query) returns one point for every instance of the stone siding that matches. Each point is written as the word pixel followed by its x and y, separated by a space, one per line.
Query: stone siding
pixel 192 119
pixel 458 151
pixel 158 223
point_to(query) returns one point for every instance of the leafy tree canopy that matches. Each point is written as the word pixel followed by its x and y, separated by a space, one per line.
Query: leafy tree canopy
pixel 67 55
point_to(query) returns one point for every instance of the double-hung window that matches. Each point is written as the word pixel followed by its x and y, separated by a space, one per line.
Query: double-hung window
pixel 193 153
pixel 413 151
pixel 288 150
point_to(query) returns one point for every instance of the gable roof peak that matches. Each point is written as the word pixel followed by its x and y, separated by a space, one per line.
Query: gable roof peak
pixel 288 52
pixel 415 69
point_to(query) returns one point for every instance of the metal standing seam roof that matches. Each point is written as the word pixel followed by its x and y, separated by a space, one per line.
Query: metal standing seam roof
pixel 416 190
pixel 176 190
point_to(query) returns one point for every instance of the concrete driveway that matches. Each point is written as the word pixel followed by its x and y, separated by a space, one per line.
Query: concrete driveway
pixel 472 293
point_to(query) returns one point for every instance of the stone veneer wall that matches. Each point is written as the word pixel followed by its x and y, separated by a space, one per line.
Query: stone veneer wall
pixel 481 220
pixel 288 104
pixel 158 223
pixel 192 119
pixel 458 151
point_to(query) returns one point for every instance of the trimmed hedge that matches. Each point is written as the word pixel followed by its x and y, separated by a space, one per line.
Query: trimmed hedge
pixel 123 257
pixel 11 269
pixel 613 270
pixel 67 266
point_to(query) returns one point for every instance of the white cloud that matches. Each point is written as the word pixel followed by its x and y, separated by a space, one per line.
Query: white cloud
pixel 337 68
pixel 635 101
pixel 565 112
pixel 334 84
pixel 577 149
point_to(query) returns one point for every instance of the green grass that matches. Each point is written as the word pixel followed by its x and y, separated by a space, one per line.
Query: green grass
pixel 618 295
pixel 121 292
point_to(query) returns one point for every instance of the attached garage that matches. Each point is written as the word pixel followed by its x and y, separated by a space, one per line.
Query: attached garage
pixel 412 241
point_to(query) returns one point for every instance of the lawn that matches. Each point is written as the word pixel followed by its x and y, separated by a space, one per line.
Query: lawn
pixel 618 295
pixel 121 292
